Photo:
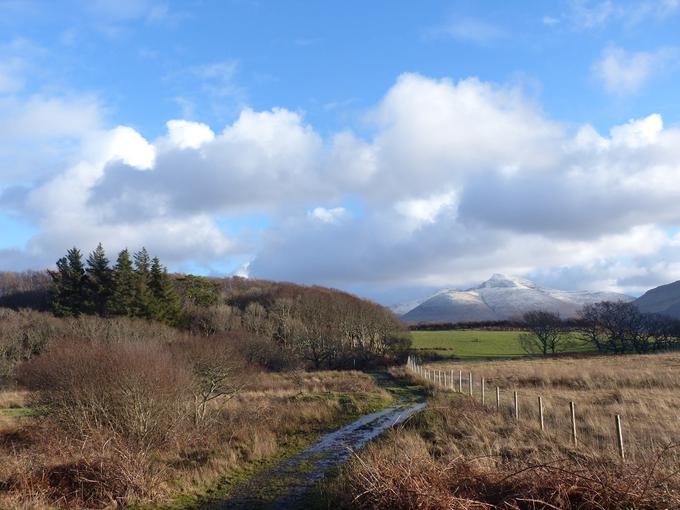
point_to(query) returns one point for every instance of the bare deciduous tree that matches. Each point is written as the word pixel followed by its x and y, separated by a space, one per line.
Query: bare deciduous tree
pixel 544 332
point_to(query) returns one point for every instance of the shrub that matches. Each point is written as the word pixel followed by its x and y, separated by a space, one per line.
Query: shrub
pixel 218 373
pixel 91 328
pixel 24 334
pixel 211 320
pixel 129 394
pixel 265 353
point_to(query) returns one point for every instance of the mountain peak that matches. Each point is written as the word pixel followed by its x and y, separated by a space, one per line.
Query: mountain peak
pixel 499 280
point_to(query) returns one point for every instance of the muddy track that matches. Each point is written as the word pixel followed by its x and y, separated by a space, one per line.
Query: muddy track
pixel 288 484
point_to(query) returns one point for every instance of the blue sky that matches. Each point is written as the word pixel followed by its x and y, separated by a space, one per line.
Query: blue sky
pixel 385 147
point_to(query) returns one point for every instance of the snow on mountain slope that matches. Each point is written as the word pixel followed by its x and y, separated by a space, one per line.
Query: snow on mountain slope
pixel 402 308
pixel 503 297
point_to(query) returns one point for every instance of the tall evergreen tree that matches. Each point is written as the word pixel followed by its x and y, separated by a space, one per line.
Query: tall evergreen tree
pixel 143 296
pixel 69 285
pixel 165 304
pixel 99 281
pixel 123 299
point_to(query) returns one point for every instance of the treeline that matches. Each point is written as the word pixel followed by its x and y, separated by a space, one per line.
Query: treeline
pixel 611 327
pixel 287 324
pixel 28 289
pixel 278 326
pixel 137 286
pixel 619 328
pixel 500 325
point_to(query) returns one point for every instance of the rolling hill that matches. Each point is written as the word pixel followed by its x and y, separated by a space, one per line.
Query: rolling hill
pixel 664 299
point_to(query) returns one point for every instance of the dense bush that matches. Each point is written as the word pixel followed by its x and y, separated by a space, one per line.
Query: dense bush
pixel 24 334
pixel 132 394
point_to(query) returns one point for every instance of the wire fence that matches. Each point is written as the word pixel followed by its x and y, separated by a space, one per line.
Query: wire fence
pixel 464 383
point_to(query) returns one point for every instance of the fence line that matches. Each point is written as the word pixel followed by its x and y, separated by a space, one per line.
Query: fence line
pixel 435 378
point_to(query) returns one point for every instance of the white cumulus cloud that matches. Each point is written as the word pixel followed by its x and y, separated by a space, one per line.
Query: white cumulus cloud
pixel 457 180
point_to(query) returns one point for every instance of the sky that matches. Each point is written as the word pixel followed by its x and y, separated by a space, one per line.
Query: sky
pixel 388 148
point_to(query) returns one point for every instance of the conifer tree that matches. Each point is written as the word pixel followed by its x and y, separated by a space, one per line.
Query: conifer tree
pixel 69 285
pixel 165 303
pixel 99 281
pixel 143 296
pixel 123 299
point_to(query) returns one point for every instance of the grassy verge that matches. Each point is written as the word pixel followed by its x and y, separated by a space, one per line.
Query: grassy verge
pixel 397 388
pixel 346 407
pixel 478 344
pixel 460 454
pixel 22 412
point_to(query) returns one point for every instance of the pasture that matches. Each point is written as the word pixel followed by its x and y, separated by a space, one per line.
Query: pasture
pixel 479 344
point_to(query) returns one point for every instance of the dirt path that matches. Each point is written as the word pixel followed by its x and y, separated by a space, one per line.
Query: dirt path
pixel 288 484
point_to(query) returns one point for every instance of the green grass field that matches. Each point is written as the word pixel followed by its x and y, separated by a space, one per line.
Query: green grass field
pixel 472 344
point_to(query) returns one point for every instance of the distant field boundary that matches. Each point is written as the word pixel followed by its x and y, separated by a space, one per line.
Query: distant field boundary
pixel 505 325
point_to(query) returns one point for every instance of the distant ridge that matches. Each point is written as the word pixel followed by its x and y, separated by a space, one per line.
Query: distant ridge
pixel 501 297
pixel 664 300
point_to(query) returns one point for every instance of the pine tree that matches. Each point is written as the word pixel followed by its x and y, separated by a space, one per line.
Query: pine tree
pixel 165 302
pixel 99 281
pixel 69 285
pixel 123 298
pixel 143 297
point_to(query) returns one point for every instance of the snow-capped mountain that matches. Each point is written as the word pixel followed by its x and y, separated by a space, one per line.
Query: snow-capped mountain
pixel 501 297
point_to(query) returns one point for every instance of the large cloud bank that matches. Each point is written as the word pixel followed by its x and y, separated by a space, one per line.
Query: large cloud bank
pixel 455 181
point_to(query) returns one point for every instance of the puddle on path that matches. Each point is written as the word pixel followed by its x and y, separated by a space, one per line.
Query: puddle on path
pixel 285 485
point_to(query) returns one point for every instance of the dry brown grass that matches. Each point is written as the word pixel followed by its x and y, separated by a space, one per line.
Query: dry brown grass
pixel 643 389
pixel 460 454
pixel 12 398
pixel 42 467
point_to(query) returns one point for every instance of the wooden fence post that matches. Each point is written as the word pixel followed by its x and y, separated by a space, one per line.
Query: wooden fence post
pixel 470 384
pixel 540 412
pixel 452 388
pixel 482 391
pixel 572 406
pixel 514 397
pixel 619 437
pixel 498 398
pixel 460 381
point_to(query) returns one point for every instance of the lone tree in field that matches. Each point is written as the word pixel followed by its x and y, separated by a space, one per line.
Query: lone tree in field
pixel 544 332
